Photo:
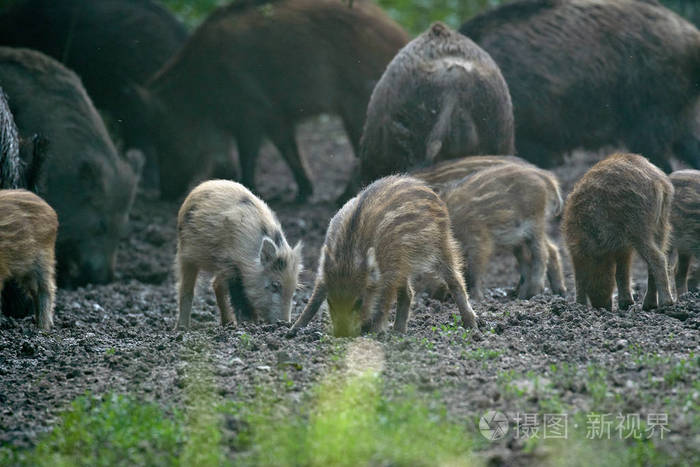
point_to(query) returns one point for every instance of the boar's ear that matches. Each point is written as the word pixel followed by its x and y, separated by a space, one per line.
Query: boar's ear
pixel 372 266
pixel 297 252
pixel 268 251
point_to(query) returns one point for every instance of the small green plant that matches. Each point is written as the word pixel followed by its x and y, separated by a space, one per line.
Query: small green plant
pixel 245 341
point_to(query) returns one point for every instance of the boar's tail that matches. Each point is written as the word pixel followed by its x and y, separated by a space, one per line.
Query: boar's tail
pixel 36 165
pixel 444 130
pixel 508 13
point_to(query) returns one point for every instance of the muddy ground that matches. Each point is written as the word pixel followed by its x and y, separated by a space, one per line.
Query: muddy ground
pixel 119 337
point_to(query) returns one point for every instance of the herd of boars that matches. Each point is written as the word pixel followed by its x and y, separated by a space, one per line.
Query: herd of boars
pixel 436 123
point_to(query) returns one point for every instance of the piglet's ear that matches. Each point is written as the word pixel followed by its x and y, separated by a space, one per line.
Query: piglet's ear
pixel 268 251
pixel 372 266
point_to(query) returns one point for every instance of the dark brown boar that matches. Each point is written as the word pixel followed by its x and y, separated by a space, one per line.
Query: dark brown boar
pixel 685 223
pixel 28 227
pixel 255 69
pixel 440 98
pixel 375 245
pixel 110 44
pixel 507 206
pixel 591 73
pixel 621 204
pixel 86 181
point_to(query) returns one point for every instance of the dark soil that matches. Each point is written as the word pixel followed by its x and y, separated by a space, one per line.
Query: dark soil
pixel 119 337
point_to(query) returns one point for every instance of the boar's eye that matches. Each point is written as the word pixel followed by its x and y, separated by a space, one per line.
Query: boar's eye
pixel 275 287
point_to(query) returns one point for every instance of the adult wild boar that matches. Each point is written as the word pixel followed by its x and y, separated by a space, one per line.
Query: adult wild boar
pixel 440 98
pixel 591 73
pixel 110 44
pixel 255 69
pixel 88 184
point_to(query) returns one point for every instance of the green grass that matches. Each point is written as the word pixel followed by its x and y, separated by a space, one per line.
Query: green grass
pixel 349 422
pixel 346 420
pixel 104 431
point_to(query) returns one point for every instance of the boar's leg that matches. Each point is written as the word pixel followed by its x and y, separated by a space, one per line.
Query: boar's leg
pixel 622 277
pixel 650 300
pixel 188 278
pixel 387 293
pixel 220 286
pixel 248 149
pixel 403 307
pixel 682 269
pixel 477 254
pixel 317 298
pixel 455 282
pixel 284 139
pixel 44 298
pixel 523 261
pixel 555 276
pixel 581 279
pixel 601 281
pixel 534 282
pixel 657 276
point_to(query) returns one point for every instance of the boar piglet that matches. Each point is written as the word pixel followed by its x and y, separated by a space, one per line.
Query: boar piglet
pixel 28 228
pixel 507 205
pixel 225 230
pixel 440 98
pixel 375 245
pixel 451 171
pixel 685 223
pixel 621 204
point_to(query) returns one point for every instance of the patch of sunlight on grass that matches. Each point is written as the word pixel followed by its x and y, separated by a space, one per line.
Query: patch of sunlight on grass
pixel 348 422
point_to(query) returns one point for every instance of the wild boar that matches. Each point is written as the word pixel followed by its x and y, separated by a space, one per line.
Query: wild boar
pixel 440 98
pixel 88 184
pixel 225 230
pixel 507 206
pixel 685 223
pixel 110 44
pixel 393 230
pixel 591 73
pixel 28 228
pixel 451 171
pixel 256 68
pixel 621 204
